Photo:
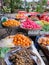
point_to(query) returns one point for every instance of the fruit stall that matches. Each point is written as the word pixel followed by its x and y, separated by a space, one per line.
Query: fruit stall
pixel 20 40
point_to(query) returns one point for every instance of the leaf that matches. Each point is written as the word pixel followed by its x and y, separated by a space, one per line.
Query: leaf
pixel 3 51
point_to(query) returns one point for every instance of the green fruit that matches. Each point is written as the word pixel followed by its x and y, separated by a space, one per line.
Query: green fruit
pixel 39 22
pixel 46 27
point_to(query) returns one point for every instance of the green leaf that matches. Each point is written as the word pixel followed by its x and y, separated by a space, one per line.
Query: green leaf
pixel 3 51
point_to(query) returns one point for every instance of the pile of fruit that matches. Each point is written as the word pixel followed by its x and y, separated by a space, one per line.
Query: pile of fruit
pixel 21 40
pixel 35 18
pixel 21 16
pixel 16 40
pixel 44 41
pixel 11 23
pixel 23 57
pixel 29 24
pixel 44 17
pixel 45 25
pixel 33 13
pixel 44 22
pixel 39 22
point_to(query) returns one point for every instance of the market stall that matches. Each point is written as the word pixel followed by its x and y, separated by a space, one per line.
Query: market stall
pixel 22 27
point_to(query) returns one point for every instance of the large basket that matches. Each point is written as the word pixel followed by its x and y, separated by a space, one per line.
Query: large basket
pixel 29 29
pixel 45 51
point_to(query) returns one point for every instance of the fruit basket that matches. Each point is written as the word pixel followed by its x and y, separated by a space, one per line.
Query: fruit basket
pixel 21 16
pixel 18 39
pixel 28 24
pixel 44 44
pixel 24 54
pixel 29 29
pixel 11 23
